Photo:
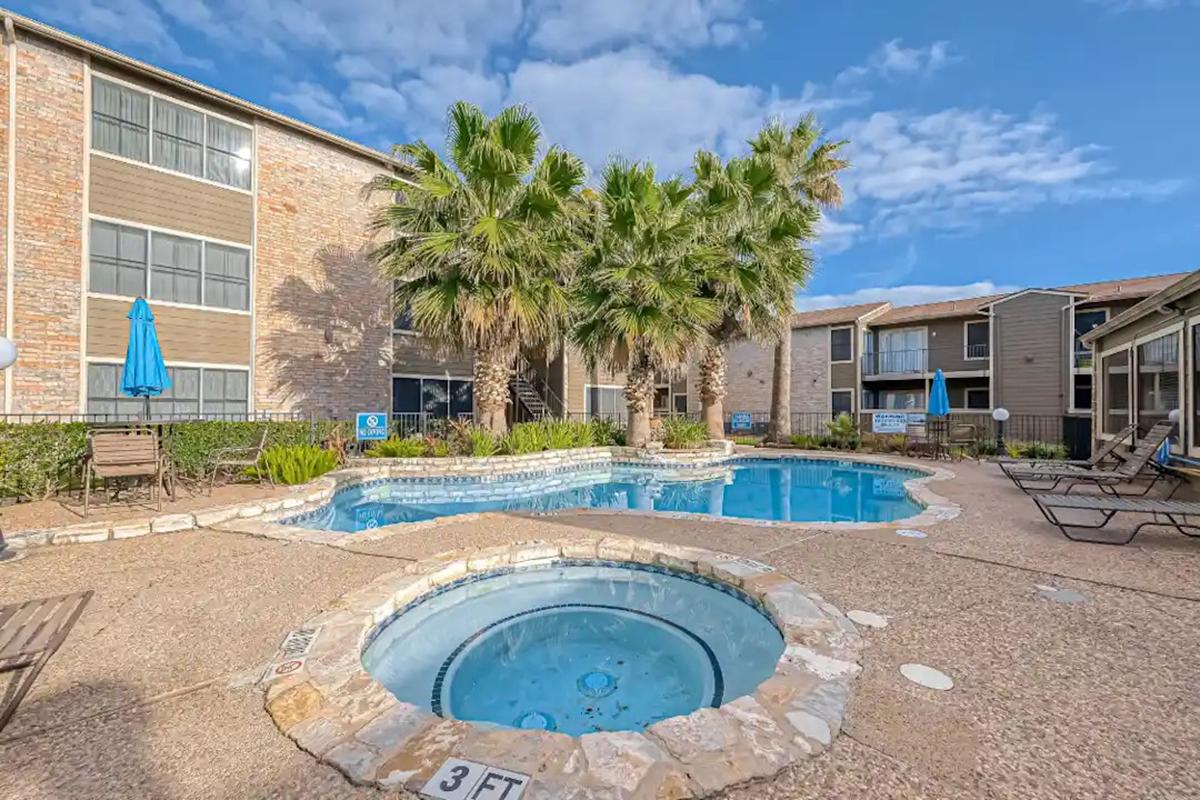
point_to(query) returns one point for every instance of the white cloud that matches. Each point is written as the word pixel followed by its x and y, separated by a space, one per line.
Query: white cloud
pixel 131 24
pixel 905 295
pixel 892 61
pixel 576 27
pixel 317 104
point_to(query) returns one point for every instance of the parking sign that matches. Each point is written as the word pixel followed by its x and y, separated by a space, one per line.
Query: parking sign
pixel 370 426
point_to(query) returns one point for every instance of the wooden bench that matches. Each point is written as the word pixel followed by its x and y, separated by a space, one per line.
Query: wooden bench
pixel 123 453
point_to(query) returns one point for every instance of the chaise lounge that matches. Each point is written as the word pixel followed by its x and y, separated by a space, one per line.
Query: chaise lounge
pixel 1110 450
pixel 1165 513
pixel 30 633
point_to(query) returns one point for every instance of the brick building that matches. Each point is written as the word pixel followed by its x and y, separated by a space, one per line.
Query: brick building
pixel 245 230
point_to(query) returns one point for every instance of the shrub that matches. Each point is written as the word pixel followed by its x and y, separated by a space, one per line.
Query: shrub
pixel 38 459
pixel 807 441
pixel 680 433
pixel 884 443
pixel 843 433
pixel 295 464
pixel 986 447
pixel 191 445
pixel 1038 450
pixel 748 441
pixel 395 447
pixel 482 443
pixel 436 447
pixel 606 433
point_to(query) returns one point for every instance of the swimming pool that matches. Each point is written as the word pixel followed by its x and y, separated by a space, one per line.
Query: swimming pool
pixel 787 490
pixel 576 647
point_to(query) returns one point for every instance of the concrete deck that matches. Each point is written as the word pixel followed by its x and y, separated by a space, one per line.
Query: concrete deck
pixel 153 694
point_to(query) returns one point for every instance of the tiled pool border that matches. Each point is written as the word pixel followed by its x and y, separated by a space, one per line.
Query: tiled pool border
pixel 332 708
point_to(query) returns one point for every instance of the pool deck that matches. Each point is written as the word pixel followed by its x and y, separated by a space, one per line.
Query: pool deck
pixel 154 694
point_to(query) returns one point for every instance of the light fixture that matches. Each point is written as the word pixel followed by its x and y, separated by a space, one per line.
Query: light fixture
pixel 1001 416
pixel 8 352
pixel 1174 415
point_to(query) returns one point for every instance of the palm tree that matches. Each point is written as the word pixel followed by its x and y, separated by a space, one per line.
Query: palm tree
pixel 482 245
pixel 807 168
pixel 760 235
pixel 637 299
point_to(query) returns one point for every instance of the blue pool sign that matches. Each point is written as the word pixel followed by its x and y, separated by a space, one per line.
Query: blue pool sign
pixel 741 421
pixel 370 426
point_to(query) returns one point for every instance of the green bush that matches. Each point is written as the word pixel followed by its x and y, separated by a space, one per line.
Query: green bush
pixel 843 433
pixel 986 447
pixel 884 443
pixel 607 433
pixel 748 441
pixel 395 447
pixel 680 433
pixel 191 445
pixel 294 464
pixel 482 443
pixel 1043 451
pixel 807 441
pixel 38 459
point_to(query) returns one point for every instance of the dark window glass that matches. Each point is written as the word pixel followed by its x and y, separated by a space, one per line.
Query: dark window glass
pixel 977 339
pixel 435 397
pixel 977 399
pixel 1116 391
pixel 842 402
pixel 841 345
pixel 681 404
pixel 462 397
pixel 406 395
pixel 1084 322
pixel 1083 392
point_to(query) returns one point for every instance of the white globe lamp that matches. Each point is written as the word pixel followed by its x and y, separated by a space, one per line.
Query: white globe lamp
pixel 1001 416
pixel 8 352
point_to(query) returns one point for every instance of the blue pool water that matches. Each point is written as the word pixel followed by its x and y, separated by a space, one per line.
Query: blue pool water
pixel 790 490
pixel 576 647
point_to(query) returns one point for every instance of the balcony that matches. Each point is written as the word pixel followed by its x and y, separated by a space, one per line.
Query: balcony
pixel 916 363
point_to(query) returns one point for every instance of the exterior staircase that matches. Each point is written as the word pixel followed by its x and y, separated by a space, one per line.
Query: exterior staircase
pixel 531 395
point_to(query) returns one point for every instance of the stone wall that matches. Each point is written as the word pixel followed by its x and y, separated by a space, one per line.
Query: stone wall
pixel 49 224
pixel 752 368
pixel 323 318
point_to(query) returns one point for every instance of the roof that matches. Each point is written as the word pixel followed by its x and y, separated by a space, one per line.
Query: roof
pixel 209 93
pixel 1095 292
pixel 1185 283
pixel 836 316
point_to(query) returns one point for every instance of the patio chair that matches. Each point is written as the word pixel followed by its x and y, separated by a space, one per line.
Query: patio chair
pixel 1108 450
pixel 927 439
pixel 123 453
pixel 963 435
pixel 30 633
pixel 228 459
pixel 1164 513
pixel 1139 465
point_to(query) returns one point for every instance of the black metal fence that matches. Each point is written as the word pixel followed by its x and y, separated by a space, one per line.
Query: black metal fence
pixel 155 419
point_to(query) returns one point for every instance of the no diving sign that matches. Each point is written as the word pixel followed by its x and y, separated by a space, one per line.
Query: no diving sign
pixel 466 780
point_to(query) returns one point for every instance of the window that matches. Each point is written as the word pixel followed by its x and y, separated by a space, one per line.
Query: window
pixel 175 269
pixel 144 127
pixel 117 263
pixel 681 404
pixel 900 351
pixel 895 399
pixel 226 277
pixel 841 345
pixel 227 155
pixel 662 399
pixel 120 120
pixel 842 401
pixel 978 398
pixel 975 335
pixel 225 392
pixel 1081 397
pixel 1157 380
pixel 604 401
pixel 1084 322
pixel 178 138
pixel 122 256
pixel 438 397
pixel 194 392
pixel 1116 392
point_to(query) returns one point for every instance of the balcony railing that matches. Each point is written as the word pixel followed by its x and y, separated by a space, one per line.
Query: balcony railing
pixel 919 362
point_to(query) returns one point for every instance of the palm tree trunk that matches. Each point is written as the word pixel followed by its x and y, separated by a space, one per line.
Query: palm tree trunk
pixel 492 370
pixel 713 366
pixel 639 386
pixel 780 427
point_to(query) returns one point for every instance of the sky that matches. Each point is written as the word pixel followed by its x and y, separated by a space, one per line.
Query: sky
pixel 993 145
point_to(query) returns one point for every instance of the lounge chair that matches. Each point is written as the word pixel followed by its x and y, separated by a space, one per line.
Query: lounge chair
pixel 1108 450
pixel 1166 513
pixel 123 453
pixel 1138 466
pixel 30 633
pixel 239 459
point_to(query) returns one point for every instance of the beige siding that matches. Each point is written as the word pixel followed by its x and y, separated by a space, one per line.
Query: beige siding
pixel 843 376
pixel 1128 333
pixel 414 355
pixel 579 376
pixel 185 334
pixel 150 197
pixel 1029 362
pixel 947 345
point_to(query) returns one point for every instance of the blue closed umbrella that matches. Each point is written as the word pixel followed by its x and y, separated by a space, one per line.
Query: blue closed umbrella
pixel 145 374
pixel 939 398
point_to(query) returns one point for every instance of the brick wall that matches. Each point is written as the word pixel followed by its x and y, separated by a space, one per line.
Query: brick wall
pixel 49 222
pixel 752 367
pixel 3 199
pixel 323 318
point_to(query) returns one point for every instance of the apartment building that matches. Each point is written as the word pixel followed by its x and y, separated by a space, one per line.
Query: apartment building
pixel 244 229
pixel 1024 351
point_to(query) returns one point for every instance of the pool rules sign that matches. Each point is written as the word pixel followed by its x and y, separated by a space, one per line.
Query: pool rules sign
pixel 466 780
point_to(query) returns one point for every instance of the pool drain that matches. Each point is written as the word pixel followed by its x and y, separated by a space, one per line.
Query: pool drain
pixel 534 721
pixel 596 684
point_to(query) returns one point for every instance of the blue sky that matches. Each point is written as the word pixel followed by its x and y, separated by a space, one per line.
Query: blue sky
pixel 1029 142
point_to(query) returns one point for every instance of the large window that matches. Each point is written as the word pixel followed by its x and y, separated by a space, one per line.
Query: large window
pixel 978 398
pixel 144 127
pixel 975 337
pixel 194 392
pixel 894 399
pixel 604 401
pixel 1157 380
pixel 841 345
pixel 1081 397
pixel 180 269
pixel 900 351
pixel 841 401
pixel 1115 367
pixel 1084 322
pixel 438 397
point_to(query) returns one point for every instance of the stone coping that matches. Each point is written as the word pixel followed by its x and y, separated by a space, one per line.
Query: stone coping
pixel 319 694
pixel 267 517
